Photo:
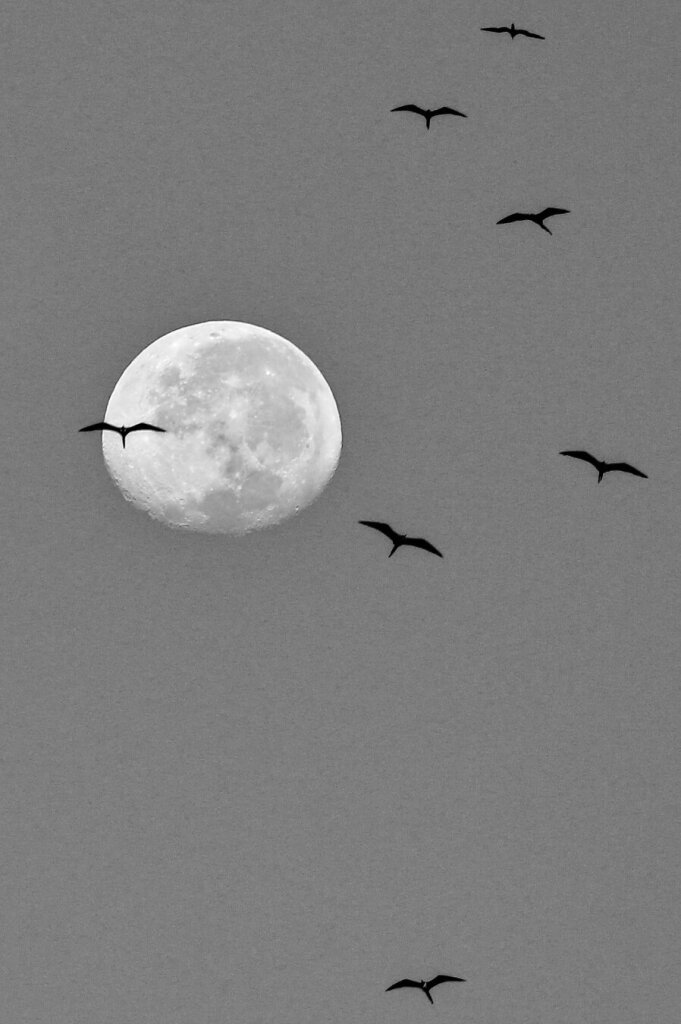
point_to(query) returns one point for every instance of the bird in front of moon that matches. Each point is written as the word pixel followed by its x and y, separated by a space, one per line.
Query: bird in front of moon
pixel 251 430
pixel 123 431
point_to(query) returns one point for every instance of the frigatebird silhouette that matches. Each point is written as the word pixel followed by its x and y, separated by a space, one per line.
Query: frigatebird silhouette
pixel 536 218
pixel 513 31
pixel 605 467
pixel 428 113
pixel 425 986
pixel 398 539
pixel 123 431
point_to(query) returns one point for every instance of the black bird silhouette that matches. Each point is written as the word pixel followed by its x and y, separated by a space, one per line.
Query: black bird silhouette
pixel 123 431
pixel 428 113
pixel 513 32
pixel 398 539
pixel 605 467
pixel 425 986
pixel 537 218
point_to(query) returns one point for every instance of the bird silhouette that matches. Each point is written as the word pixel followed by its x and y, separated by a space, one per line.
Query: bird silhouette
pixel 428 113
pixel 537 218
pixel 605 467
pixel 513 31
pixel 425 986
pixel 123 431
pixel 398 539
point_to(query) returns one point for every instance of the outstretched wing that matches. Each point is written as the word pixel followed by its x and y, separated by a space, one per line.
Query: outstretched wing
pixel 439 978
pixel 145 426
pixel 410 106
pixel 624 467
pixel 99 426
pixel 419 542
pixel 381 527
pixel 531 35
pixel 511 217
pixel 405 983
pixel 551 211
pixel 448 110
pixel 495 30
pixel 585 456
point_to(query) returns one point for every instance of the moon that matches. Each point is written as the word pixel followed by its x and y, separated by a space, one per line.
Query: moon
pixel 253 433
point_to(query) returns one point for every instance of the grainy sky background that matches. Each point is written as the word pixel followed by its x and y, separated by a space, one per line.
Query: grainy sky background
pixel 259 779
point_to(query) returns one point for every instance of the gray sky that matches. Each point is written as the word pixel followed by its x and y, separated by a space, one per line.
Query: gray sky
pixel 260 779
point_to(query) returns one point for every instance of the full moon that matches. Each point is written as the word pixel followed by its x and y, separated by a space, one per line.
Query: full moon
pixel 252 431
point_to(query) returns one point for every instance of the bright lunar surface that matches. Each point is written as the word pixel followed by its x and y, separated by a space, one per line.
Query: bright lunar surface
pixel 253 431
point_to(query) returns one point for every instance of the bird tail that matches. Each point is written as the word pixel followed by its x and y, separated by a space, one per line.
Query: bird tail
pixel 542 225
pixel 600 475
pixel 427 993
pixel 123 439
pixel 395 547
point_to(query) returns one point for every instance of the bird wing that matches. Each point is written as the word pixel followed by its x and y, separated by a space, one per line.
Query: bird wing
pixel 624 467
pixel 409 106
pixel 405 983
pixel 145 426
pixel 419 542
pixel 551 211
pixel 585 456
pixel 448 110
pixel 98 426
pixel 382 528
pixel 439 978
pixel 513 216
pixel 532 35
pixel 495 30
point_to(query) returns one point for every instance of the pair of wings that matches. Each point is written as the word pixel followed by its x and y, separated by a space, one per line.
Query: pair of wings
pixel 623 467
pixel 437 980
pixel 424 113
pixel 550 211
pixel 118 430
pixel 518 32
pixel 398 538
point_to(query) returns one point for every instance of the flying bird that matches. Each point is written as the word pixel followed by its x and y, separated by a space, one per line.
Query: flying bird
pixel 537 218
pixel 425 986
pixel 428 113
pixel 605 467
pixel 123 431
pixel 513 31
pixel 398 539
